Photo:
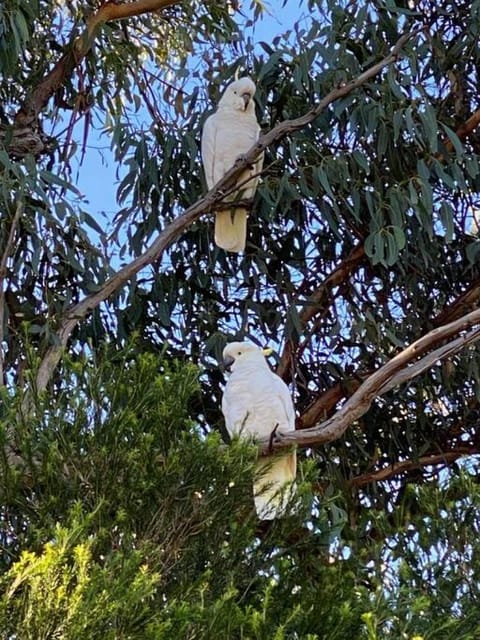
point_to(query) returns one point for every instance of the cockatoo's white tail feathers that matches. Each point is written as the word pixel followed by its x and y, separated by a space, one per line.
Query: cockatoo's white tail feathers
pixel 231 229
pixel 274 486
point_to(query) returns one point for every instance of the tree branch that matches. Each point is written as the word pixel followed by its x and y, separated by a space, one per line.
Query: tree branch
pixel 394 469
pixel 324 404
pixel 427 362
pixel 394 372
pixel 79 311
pixel 3 273
pixel 110 10
pixel 460 305
pixel 316 302
pixel 465 129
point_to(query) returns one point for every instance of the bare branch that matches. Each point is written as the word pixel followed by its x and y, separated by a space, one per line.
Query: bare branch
pixel 206 204
pixel 321 408
pixel 428 361
pixel 111 10
pixel 396 468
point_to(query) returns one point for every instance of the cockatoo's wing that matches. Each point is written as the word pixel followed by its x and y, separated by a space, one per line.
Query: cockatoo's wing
pixel 210 166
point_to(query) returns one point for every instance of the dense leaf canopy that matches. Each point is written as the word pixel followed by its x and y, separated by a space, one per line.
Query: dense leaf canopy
pixel 363 237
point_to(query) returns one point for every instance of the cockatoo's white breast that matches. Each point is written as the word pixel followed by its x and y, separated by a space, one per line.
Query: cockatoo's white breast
pixel 256 401
pixel 226 135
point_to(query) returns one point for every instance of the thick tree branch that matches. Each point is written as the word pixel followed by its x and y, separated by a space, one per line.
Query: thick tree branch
pixel 428 361
pixel 113 10
pixel 79 311
pixel 397 370
pixel 108 11
pixel 325 403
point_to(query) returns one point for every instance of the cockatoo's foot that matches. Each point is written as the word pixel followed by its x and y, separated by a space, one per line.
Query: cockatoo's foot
pixel 274 436
pixel 242 160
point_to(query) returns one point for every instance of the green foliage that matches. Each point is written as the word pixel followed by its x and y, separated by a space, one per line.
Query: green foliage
pixel 138 525
pixel 64 592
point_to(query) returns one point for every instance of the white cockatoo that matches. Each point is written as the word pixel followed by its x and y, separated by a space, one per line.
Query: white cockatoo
pixel 227 134
pixel 257 403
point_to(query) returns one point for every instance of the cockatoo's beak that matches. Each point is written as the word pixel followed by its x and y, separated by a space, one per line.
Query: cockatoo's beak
pixel 227 363
pixel 246 99
pixel 268 351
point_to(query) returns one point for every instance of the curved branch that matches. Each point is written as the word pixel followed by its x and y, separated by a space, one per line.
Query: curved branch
pixel 394 372
pixel 325 403
pixel 79 311
pixel 112 10
pixel 428 361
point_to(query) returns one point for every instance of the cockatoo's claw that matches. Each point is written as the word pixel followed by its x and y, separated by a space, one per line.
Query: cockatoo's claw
pixel 242 159
pixel 273 437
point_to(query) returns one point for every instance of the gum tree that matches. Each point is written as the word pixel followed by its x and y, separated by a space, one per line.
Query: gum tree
pixel 361 269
